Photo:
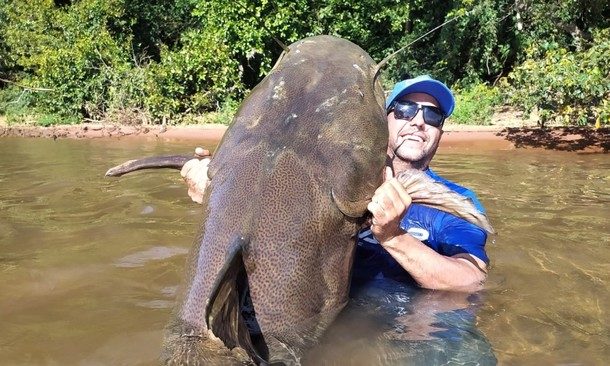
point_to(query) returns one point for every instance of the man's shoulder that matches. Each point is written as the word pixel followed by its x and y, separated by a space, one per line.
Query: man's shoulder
pixel 464 191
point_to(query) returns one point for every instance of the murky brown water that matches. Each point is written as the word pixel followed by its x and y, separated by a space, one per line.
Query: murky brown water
pixel 89 265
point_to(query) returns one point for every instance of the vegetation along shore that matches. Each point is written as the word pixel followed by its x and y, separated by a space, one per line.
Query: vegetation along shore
pixel 148 66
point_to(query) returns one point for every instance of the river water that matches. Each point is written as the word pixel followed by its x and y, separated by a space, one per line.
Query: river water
pixel 89 266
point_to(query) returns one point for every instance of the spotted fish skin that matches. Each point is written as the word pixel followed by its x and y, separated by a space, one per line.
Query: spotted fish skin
pixel 290 182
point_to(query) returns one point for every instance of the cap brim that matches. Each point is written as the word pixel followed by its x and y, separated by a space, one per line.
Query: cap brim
pixel 432 87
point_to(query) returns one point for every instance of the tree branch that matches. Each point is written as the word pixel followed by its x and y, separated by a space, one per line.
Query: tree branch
pixel 24 86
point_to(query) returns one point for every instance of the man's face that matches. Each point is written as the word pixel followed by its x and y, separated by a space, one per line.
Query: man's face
pixel 414 141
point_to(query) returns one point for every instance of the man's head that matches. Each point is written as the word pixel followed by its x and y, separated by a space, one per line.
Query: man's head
pixel 416 110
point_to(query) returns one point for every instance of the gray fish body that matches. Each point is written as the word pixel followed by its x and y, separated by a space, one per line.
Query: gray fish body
pixel 290 183
pixel 293 173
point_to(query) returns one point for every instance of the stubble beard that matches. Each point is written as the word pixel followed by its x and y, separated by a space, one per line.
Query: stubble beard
pixel 416 158
pixel 409 153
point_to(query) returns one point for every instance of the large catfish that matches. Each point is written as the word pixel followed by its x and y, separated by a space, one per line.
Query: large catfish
pixel 290 183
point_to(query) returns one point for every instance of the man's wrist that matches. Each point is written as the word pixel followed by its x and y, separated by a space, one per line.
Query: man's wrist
pixel 400 241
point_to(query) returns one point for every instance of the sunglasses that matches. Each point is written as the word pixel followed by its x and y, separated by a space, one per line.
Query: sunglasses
pixel 407 110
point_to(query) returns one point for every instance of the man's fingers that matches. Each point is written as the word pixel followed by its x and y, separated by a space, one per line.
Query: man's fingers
pixel 372 207
pixel 402 193
pixel 201 152
pixel 186 168
pixel 195 174
pixel 391 202
pixel 195 195
pixel 389 174
pixel 375 208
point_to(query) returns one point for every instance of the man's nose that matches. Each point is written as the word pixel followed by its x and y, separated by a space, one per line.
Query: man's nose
pixel 418 119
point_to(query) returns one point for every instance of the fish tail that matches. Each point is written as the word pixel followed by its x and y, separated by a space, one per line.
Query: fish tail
pixel 426 191
pixel 185 344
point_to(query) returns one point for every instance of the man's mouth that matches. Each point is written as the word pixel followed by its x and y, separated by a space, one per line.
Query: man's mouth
pixel 416 138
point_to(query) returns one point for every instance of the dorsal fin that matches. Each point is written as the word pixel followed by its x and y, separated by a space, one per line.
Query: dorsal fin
pixel 222 313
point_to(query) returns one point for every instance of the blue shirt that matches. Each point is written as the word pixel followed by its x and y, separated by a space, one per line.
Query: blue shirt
pixel 443 232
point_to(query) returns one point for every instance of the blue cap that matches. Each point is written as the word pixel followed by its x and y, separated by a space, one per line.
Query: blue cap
pixel 424 84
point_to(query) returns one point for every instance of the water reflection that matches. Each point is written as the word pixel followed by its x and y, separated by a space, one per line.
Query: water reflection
pixel 548 287
pixel 395 323
pixel 89 266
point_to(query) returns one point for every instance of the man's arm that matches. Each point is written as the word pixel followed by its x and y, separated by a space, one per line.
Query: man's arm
pixel 435 271
pixel 430 269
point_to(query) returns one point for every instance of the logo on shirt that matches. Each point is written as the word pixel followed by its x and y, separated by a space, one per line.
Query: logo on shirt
pixel 418 233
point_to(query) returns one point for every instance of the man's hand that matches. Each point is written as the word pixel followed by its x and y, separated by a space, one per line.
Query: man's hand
pixel 462 272
pixel 388 205
pixel 195 174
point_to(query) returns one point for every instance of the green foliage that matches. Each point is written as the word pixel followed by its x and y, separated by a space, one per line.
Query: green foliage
pixel 53 119
pixel 18 105
pixel 15 103
pixel 5 61
pixel 475 105
pixel 192 79
pixel 70 51
pixel 477 45
pixel 565 87
pixel 156 23
pixel 566 24
pixel 224 114
pixel 142 61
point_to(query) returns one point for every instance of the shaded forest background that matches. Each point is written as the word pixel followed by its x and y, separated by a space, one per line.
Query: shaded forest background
pixel 154 61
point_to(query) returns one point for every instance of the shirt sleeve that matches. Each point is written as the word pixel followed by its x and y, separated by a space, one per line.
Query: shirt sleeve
pixel 459 236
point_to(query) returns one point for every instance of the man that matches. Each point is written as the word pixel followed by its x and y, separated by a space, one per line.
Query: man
pixel 437 249
pixel 434 248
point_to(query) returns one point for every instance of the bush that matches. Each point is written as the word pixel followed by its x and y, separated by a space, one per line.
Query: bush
pixel 18 105
pixel 566 87
pixel 475 105
pixel 223 115
pixel 192 79
pixel 146 61
pixel 69 50
pixel 15 103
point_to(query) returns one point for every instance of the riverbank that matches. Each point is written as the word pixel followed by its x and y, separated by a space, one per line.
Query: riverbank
pixel 494 137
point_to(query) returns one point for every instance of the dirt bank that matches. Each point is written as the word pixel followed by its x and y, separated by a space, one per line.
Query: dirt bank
pixel 461 137
pixel 90 130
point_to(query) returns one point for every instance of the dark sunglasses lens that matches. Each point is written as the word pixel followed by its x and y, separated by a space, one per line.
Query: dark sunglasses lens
pixel 405 110
pixel 433 116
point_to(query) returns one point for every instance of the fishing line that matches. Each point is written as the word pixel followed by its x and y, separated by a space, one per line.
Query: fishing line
pixel 383 62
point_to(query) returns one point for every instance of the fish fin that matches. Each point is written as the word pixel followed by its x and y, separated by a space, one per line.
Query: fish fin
pixel 350 208
pixel 222 313
pixel 427 191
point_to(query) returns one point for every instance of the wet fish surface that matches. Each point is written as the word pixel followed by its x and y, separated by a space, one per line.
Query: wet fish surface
pixel 270 267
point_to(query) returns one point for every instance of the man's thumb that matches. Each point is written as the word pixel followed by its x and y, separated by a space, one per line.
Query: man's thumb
pixel 388 173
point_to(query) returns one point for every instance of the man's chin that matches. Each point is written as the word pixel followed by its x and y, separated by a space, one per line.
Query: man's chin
pixel 409 153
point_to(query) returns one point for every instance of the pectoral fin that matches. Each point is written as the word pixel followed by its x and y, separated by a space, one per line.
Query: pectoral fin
pixel 222 313
pixel 350 208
